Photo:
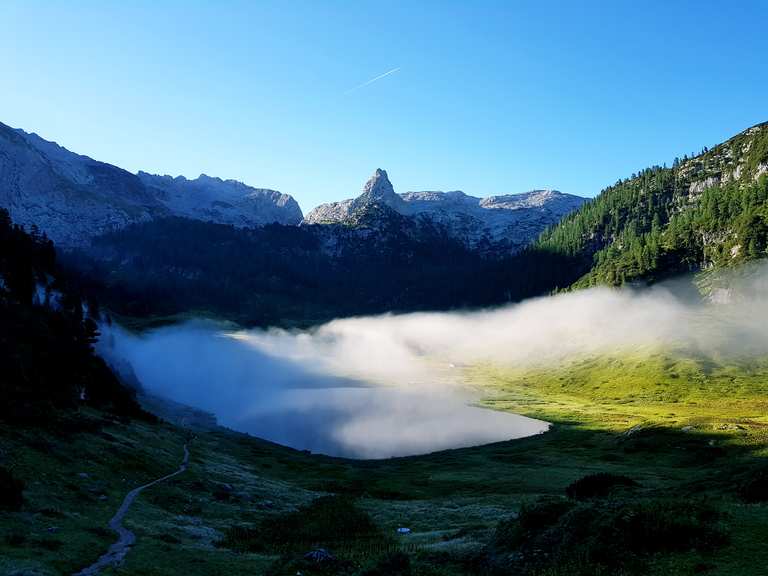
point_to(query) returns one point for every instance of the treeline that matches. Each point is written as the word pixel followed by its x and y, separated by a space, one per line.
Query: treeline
pixel 286 275
pixel 640 231
pixel 665 221
pixel 727 226
pixel 47 335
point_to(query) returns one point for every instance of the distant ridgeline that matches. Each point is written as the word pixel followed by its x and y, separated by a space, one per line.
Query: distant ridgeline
pixel 704 212
pixel 46 337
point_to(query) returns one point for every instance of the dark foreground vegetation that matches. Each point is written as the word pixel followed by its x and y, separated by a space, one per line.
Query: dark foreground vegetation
pixel 47 333
pixel 607 535
pixel 284 275
pixel 659 502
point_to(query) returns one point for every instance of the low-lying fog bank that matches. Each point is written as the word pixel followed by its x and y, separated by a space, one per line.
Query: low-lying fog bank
pixel 296 389
pixel 383 386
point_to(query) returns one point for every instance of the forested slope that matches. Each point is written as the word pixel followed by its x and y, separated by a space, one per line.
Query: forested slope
pixel 46 337
pixel 707 211
pixel 286 275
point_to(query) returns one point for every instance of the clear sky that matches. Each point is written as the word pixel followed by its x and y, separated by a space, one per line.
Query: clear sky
pixel 485 97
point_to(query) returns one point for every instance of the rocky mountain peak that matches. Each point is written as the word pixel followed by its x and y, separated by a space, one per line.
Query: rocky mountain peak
pixel 506 222
pixel 378 186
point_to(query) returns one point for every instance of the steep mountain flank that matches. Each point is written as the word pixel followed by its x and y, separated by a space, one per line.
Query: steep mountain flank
pixel 223 201
pixel 704 212
pixel 73 198
pixel 69 197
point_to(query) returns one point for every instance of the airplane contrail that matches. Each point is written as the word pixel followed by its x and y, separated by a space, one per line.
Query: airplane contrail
pixel 372 80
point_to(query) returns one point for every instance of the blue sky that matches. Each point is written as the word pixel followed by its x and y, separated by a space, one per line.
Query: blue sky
pixel 489 97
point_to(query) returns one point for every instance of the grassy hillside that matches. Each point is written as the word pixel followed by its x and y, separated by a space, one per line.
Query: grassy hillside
pixel 641 388
pixel 689 432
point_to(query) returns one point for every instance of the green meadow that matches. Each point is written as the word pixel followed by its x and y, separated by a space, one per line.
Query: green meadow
pixel 689 432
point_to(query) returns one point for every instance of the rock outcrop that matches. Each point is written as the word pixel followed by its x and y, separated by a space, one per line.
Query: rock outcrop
pixel 506 222
pixel 73 198
pixel 222 201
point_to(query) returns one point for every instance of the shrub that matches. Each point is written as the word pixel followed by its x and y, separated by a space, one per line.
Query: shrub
pixel 393 564
pixel 531 522
pixel 15 539
pixel 325 521
pixel 289 565
pixel 11 491
pixel 605 537
pixel 755 488
pixel 598 485
pixel 50 544
pixel 610 532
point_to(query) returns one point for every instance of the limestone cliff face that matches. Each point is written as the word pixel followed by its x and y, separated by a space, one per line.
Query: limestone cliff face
pixel 222 201
pixel 506 222
pixel 73 198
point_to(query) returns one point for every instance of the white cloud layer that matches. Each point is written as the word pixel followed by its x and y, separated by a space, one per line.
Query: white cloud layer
pixel 391 385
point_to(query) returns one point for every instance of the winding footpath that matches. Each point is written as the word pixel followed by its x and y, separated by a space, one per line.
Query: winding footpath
pixel 126 538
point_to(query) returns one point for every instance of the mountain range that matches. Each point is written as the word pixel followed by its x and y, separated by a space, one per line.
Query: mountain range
pixel 510 221
pixel 160 245
pixel 73 198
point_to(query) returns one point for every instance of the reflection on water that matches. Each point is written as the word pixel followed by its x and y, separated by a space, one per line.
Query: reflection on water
pixel 301 401
pixel 380 422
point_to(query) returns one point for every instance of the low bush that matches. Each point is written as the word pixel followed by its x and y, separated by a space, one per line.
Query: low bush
pixel 609 532
pixel 15 539
pixel 289 565
pixel 598 485
pixel 755 488
pixel 325 521
pixel 393 564
pixel 11 491
pixel 605 536
pixel 533 520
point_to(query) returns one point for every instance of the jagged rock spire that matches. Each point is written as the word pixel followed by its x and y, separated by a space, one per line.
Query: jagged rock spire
pixel 378 187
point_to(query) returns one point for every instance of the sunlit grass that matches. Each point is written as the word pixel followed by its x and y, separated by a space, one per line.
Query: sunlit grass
pixel 623 390
pixel 680 425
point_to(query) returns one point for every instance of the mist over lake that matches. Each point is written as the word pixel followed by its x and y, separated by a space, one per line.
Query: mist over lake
pixel 394 385
pixel 292 389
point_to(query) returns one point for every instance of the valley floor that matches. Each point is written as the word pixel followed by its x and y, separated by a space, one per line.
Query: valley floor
pixel 682 427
